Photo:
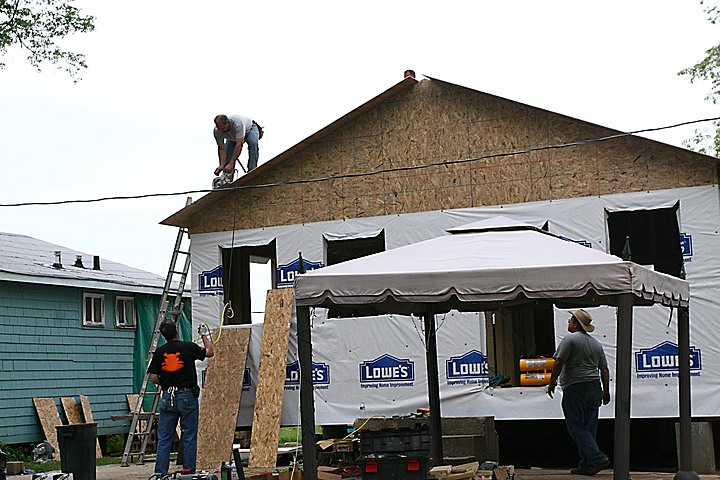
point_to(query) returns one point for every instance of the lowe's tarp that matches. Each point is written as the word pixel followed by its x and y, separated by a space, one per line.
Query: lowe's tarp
pixel 341 348
pixel 495 260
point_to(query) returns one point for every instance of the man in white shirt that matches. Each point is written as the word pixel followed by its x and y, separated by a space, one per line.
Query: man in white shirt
pixel 230 133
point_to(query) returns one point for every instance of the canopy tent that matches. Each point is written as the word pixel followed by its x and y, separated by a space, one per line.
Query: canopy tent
pixel 483 266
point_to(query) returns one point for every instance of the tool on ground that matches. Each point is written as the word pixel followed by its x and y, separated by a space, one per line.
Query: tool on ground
pixel 173 290
pixel 43 452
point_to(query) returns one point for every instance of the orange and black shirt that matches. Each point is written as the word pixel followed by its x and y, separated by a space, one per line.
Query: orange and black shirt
pixel 174 363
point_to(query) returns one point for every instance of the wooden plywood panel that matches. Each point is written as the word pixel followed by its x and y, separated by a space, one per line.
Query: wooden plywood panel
pixel 221 398
pixel 271 379
pixel 88 415
pixel 72 412
pixel 49 419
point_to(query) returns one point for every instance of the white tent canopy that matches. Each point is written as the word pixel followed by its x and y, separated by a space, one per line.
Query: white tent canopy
pixel 496 260
pixel 479 267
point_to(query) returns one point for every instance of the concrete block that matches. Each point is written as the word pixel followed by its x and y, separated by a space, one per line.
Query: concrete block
pixel 703 450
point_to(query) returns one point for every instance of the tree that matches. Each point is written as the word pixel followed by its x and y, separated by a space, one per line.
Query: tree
pixel 37 25
pixel 707 69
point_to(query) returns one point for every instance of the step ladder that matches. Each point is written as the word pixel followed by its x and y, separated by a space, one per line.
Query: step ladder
pixel 174 287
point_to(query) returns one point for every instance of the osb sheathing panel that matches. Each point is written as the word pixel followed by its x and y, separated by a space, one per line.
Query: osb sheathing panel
pixel 221 397
pixel 88 415
pixel 49 418
pixel 271 379
pixel 72 412
pixel 434 122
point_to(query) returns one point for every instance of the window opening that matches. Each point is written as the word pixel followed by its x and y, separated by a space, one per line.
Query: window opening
pixel 654 237
pixel 125 312
pixel 93 309
pixel 516 333
pixel 247 276
pixel 338 251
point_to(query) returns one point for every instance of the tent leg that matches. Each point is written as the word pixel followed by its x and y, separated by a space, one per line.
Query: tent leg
pixel 621 456
pixel 307 399
pixel 433 388
pixel 686 470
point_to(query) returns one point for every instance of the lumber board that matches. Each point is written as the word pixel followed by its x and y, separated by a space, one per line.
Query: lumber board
pixel 88 415
pixel 221 398
pixel 49 419
pixel 72 412
pixel 271 378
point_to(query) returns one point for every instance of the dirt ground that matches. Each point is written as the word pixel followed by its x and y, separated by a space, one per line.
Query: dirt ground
pixel 143 472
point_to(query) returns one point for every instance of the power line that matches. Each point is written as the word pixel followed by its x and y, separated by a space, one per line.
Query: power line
pixel 367 174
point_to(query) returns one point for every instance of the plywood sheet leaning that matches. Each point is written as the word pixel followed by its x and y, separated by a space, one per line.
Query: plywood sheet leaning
pixel 88 415
pixel 72 412
pixel 271 379
pixel 221 397
pixel 49 419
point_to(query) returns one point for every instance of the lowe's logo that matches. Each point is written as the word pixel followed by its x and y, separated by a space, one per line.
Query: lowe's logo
pixel 686 244
pixel 473 364
pixel 320 373
pixel 210 282
pixel 664 358
pixel 387 369
pixel 286 273
pixel 584 243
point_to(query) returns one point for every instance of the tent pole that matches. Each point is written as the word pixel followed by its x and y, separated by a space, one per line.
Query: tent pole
pixel 307 399
pixel 433 387
pixel 623 367
pixel 686 470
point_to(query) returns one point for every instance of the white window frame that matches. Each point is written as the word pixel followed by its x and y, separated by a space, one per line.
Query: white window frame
pixel 93 322
pixel 123 322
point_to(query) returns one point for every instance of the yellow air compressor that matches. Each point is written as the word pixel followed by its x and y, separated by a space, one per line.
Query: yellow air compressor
pixel 536 371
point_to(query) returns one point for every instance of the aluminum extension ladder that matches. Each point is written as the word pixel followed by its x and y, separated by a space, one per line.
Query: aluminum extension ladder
pixel 174 287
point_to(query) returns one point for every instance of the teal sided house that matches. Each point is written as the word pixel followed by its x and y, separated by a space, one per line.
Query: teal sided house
pixel 71 324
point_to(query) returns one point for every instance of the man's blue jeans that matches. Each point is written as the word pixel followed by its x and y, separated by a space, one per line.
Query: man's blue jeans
pixel 184 406
pixel 581 404
pixel 251 138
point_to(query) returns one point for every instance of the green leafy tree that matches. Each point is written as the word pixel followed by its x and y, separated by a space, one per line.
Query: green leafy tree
pixel 37 25
pixel 707 69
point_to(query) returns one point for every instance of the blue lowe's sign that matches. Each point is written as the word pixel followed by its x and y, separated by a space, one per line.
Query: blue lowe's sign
pixel 387 371
pixel 210 282
pixel 320 375
pixel 286 273
pixel 584 243
pixel 686 245
pixel 664 358
pixel 473 364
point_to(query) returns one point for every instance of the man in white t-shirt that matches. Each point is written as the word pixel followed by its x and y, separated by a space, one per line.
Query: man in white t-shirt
pixel 230 133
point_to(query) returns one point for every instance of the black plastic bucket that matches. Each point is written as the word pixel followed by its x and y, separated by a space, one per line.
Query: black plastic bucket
pixel 77 449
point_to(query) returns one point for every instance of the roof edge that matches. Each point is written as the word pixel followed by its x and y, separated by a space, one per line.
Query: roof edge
pixel 181 218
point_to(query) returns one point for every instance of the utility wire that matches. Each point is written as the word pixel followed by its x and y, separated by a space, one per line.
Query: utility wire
pixel 368 174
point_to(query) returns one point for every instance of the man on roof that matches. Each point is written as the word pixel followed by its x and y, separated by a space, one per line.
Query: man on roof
pixel 230 133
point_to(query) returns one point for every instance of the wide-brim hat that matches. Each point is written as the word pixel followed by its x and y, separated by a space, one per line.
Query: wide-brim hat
pixel 584 319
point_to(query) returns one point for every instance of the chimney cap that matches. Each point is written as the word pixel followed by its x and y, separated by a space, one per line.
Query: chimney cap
pixel 78 261
pixel 58 259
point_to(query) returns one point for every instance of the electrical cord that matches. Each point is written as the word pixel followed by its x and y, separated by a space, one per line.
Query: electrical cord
pixel 366 174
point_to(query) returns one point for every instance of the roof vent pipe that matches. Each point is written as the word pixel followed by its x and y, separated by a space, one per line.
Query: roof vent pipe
pixel 96 262
pixel 78 262
pixel 58 259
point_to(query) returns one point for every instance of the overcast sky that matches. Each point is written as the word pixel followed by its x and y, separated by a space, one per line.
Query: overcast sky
pixel 140 120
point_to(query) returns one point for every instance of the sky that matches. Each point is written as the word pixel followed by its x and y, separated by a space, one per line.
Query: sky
pixel 140 120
